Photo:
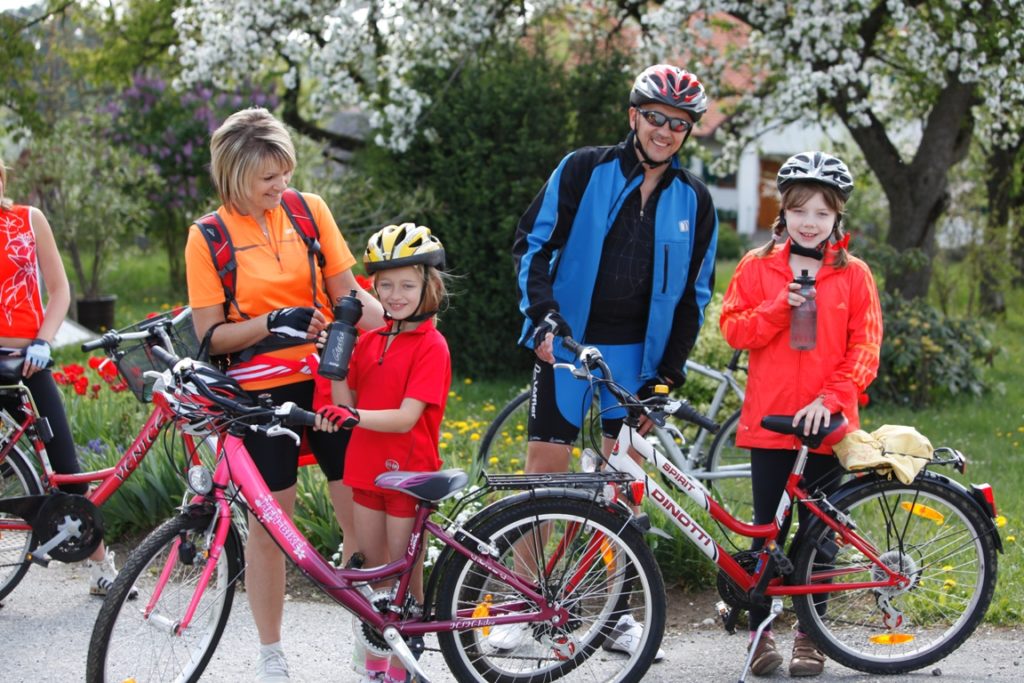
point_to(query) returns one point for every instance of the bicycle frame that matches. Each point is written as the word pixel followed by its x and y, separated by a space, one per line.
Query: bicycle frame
pixel 235 466
pixel 726 382
pixel 692 530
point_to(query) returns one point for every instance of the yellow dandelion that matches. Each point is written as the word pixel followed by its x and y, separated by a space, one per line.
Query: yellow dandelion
pixel 513 461
pixel 1000 521
pixel 948 584
pixel 474 437
pixel 520 428
pixel 442 445
pixel 576 451
pixel 1011 539
pixel 468 380
pixel 493 460
pixel 947 568
pixel 451 393
pixel 447 435
pixel 519 439
pixel 519 472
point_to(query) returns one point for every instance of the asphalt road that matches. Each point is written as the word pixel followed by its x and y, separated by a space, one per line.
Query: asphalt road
pixel 47 620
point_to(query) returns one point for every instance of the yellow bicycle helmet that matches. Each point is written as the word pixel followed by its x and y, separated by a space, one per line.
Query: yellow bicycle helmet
pixel 407 244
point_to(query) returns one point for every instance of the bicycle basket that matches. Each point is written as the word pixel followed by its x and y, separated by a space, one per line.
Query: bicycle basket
pixel 135 358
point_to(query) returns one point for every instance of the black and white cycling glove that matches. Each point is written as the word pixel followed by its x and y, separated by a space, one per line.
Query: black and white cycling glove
pixel 291 323
pixel 551 322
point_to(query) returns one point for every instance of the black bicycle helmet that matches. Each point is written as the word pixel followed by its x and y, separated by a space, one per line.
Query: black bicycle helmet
pixel 818 167
pixel 407 244
pixel 670 85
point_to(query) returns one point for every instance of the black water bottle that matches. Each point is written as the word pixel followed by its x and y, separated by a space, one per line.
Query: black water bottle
pixel 803 325
pixel 341 337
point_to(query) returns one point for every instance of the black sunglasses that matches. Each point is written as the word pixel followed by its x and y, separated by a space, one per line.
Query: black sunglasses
pixel 657 119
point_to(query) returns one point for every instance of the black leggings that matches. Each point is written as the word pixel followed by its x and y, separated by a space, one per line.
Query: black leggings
pixel 769 470
pixel 61 448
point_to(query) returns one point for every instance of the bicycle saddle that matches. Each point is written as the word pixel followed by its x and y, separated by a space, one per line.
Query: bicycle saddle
pixel 10 369
pixel 429 486
pixel 828 436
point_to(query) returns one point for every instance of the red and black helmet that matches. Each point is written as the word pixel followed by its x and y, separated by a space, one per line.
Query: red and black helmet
pixel 670 85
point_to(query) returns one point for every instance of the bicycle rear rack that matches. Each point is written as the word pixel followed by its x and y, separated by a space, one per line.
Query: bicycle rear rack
pixel 566 480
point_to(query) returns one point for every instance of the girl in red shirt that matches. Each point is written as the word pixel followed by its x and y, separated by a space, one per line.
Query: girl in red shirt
pixel 812 384
pixel 397 385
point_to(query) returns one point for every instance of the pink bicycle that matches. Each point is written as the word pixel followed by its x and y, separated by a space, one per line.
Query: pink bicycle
pixel 562 557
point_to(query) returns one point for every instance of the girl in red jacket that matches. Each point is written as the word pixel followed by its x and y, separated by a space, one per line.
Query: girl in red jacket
pixel 811 384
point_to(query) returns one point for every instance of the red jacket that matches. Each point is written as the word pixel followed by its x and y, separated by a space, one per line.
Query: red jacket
pixel 781 381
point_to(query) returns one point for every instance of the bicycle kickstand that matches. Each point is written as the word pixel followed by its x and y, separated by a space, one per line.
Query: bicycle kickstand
pixel 776 610
pixel 402 651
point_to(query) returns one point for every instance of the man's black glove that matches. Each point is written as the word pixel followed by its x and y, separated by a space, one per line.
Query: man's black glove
pixel 551 322
pixel 291 323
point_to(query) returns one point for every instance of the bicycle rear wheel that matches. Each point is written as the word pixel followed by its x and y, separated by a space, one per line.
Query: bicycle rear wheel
pixel 733 489
pixel 17 479
pixel 129 645
pixel 932 534
pixel 583 557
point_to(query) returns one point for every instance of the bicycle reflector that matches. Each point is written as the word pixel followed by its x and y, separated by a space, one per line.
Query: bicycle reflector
pixel 661 389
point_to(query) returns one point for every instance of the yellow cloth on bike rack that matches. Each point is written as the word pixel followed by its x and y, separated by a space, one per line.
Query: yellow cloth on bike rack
pixel 890 449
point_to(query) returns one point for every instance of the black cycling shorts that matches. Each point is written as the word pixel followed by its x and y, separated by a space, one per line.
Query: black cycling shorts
pixel 277 458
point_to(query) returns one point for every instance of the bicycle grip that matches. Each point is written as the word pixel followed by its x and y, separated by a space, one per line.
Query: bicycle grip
pixel 164 356
pixel 298 417
pixel 687 412
pixel 107 341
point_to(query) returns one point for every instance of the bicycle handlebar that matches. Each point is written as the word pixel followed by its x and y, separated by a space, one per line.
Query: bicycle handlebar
pixel 112 338
pixel 591 357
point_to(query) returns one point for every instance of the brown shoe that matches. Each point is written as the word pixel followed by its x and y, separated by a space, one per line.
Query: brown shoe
pixel 807 659
pixel 766 658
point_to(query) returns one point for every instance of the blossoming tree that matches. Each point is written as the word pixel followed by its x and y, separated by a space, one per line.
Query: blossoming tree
pixel 913 81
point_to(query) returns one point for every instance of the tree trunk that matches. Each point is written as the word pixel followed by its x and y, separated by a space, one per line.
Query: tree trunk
pixel 999 186
pixel 918 191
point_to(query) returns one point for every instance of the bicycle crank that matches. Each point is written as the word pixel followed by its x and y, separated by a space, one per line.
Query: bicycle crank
pixel 70 527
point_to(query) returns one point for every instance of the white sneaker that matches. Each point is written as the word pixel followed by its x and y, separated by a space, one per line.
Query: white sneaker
pixel 627 636
pixel 272 667
pixel 102 575
pixel 507 636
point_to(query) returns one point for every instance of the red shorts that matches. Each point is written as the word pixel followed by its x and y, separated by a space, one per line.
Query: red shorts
pixel 392 503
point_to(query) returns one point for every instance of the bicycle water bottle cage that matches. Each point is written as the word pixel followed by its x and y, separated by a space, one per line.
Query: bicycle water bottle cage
pixel 783 424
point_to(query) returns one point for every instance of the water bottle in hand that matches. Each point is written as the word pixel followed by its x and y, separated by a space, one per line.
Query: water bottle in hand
pixel 341 337
pixel 803 325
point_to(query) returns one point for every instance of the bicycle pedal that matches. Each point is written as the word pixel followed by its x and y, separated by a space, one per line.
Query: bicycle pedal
pixel 782 563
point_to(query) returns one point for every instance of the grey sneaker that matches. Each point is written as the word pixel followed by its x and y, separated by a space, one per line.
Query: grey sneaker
pixel 102 575
pixel 272 667
pixel 627 636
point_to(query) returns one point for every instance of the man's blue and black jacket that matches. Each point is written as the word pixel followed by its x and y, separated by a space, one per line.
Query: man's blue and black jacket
pixel 559 239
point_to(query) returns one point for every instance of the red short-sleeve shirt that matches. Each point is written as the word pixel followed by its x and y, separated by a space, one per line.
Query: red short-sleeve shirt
pixel 417 366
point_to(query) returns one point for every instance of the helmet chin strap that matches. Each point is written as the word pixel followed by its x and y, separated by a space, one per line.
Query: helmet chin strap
pixel 647 161
pixel 817 252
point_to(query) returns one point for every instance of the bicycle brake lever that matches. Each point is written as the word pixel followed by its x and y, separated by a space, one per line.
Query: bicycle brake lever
pixel 278 430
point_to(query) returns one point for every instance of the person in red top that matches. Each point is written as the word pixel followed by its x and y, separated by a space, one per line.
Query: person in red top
pixel 814 384
pixel 398 384
pixel 27 328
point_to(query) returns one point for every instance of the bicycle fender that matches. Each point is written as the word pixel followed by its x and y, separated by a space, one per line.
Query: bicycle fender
pixel 952 485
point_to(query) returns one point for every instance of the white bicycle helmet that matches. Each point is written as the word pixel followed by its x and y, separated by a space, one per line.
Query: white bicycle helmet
pixel 818 167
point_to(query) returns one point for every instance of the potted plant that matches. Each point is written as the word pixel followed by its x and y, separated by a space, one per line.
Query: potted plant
pixel 95 195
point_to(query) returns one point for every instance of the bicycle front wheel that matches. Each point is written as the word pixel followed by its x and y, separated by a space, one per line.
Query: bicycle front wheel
pixel 926 531
pixel 582 557
pixel 17 479
pixel 130 644
pixel 503 446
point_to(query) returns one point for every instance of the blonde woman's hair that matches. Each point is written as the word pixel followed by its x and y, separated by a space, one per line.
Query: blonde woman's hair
pixel 798 194
pixel 5 202
pixel 246 141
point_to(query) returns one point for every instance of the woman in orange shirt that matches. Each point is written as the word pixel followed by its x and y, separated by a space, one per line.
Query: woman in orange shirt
pixel 27 328
pixel 814 383
pixel 266 331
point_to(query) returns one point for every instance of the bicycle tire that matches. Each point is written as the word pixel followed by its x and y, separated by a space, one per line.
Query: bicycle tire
pixel 17 479
pixel 733 493
pixel 623 579
pixel 947 546
pixel 126 645
pixel 503 446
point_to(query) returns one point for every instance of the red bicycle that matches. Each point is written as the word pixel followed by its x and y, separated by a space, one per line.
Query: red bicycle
pixel 885 577
pixel 38 521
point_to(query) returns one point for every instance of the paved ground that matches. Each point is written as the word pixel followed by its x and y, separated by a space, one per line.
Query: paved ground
pixel 47 620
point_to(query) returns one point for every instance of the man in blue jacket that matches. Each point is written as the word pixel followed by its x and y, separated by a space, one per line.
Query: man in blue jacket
pixel 617 250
